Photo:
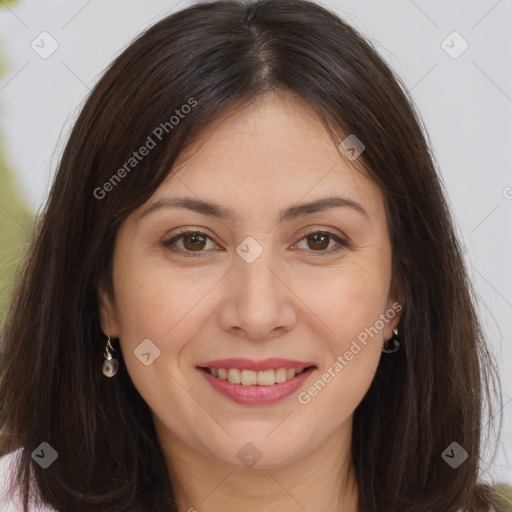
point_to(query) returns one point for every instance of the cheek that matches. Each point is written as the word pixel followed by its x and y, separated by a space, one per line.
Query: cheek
pixel 152 298
pixel 166 306
pixel 154 304
pixel 350 299
pixel 352 306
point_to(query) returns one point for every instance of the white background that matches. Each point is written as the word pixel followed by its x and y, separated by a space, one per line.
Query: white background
pixel 466 104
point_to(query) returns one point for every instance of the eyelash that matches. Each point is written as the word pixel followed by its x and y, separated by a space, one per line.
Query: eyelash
pixel 342 244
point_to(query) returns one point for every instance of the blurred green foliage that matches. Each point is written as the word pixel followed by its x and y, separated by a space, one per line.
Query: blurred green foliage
pixel 16 223
pixel 505 496
pixel 16 226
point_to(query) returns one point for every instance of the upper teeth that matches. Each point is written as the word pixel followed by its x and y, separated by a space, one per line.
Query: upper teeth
pixel 251 378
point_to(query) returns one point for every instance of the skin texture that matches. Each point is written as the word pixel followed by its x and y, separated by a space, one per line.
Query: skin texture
pixel 294 301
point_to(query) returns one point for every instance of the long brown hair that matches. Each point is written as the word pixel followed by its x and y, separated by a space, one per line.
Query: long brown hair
pixel 222 55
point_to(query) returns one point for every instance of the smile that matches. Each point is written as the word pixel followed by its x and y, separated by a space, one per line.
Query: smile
pixel 256 383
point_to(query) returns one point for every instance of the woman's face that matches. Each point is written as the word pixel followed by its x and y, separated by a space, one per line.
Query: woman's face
pixel 271 285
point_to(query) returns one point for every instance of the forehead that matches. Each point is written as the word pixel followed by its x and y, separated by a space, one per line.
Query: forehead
pixel 273 152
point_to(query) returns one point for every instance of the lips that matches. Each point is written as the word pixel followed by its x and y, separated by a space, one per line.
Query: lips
pixel 256 382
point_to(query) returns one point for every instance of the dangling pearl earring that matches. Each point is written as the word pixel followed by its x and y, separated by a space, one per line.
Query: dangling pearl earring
pixel 110 364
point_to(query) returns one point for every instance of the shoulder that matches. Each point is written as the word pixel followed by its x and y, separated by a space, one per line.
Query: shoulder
pixel 10 498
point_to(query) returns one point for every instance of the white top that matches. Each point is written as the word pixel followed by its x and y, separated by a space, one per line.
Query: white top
pixel 11 501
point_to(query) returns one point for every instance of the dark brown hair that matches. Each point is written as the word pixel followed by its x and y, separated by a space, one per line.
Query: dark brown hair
pixel 222 55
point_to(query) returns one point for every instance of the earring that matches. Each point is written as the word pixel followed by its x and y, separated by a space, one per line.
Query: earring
pixel 392 345
pixel 110 364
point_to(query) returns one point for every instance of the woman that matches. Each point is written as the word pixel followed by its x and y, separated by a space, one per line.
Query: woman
pixel 245 291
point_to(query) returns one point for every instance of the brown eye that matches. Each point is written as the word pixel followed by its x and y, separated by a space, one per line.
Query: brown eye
pixel 319 241
pixel 193 243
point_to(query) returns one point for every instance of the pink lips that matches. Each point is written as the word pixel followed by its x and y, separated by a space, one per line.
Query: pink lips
pixel 256 395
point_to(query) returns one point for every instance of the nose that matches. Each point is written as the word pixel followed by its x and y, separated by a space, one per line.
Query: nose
pixel 257 303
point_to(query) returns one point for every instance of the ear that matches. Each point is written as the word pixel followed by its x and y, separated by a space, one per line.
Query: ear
pixel 107 311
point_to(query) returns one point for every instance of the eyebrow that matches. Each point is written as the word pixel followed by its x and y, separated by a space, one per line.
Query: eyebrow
pixel 223 213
